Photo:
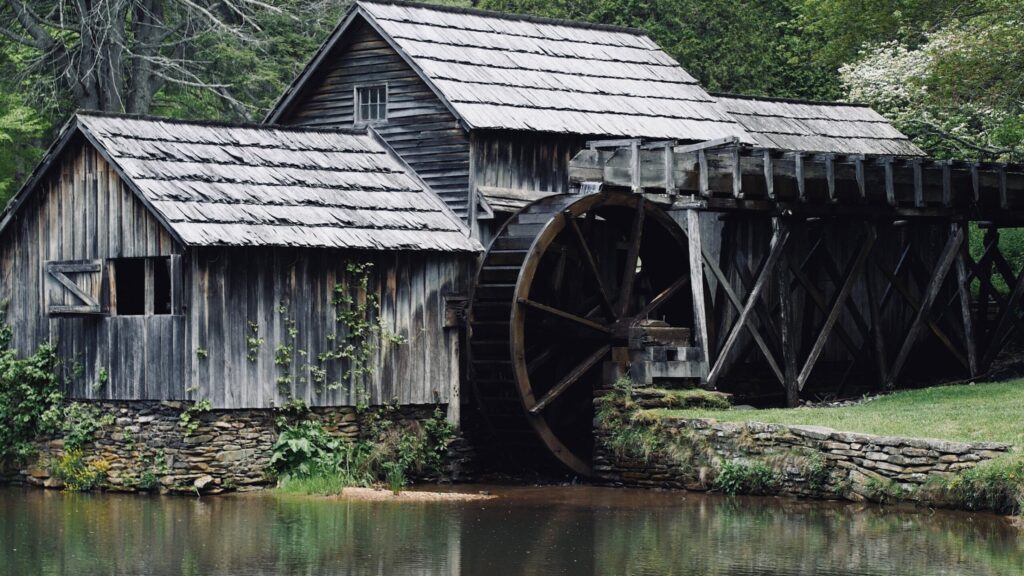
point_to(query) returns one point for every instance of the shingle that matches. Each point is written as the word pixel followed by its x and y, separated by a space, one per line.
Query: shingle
pixel 220 185
pixel 818 127
pixel 509 72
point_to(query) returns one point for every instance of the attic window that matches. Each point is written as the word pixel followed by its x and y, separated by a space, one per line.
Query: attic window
pixel 371 104
pixel 141 286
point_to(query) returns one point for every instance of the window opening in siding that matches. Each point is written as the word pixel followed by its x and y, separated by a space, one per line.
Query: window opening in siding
pixel 371 104
pixel 142 286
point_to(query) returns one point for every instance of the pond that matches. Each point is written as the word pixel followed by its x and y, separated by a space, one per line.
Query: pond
pixel 527 530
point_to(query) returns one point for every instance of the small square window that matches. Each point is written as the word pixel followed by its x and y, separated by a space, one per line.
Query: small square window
pixel 371 104
pixel 142 286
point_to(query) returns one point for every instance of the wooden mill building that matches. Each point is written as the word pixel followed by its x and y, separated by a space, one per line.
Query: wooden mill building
pixel 597 208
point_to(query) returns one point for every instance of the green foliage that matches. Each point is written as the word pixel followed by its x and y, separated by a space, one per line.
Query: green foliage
pixel 308 459
pixel 78 474
pixel 741 477
pixel 253 342
pixel 80 422
pixel 30 396
pixel 996 485
pixel 882 490
pixel 189 417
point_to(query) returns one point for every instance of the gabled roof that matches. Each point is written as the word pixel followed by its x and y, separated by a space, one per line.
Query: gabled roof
pixel 818 126
pixel 502 71
pixel 231 185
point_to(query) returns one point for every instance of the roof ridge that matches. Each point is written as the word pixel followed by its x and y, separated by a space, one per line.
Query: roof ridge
pixel 511 16
pixel 789 100
pixel 218 123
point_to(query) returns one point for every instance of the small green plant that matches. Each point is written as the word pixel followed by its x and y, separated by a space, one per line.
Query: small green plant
pixel 253 342
pixel 101 380
pixel 882 490
pixel 202 353
pixel 77 474
pixel 189 418
pixel 395 474
pixel 743 477
pixel 80 422
pixel 816 471
pixel 997 485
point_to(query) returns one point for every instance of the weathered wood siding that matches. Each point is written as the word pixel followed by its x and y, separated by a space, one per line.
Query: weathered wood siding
pixel 83 211
pixel 523 161
pixel 236 289
pixel 420 127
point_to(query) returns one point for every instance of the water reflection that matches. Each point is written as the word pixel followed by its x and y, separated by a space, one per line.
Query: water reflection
pixel 576 530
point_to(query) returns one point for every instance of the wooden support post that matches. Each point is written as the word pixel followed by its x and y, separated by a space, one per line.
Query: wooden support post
pixel 975 183
pixel 858 168
pixel 635 167
pixel 890 187
pixel 984 274
pixel 853 272
pixel 964 288
pixel 670 174
pixel 1004 202
pixel 938 278
pixel 700 312
pixel 947 184
pixel 801 185
pixel 830 176
pixel 787 328
pixel 877 334
pixel 702 161
pixel 769 175
pixel 918 183
pixel 737 174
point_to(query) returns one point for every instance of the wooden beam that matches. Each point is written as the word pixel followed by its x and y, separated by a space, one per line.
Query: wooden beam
pixel 939 276
pixel 858 168
pixel 700 310
pixel 890 187
pixel 918 183
pixel 1005 323
pixel 964 288
pixel 787 329
pixel 838 303
pixel 569 379
pixel 702 162
pixel 632 256
pixel 947 184
pixel 737 174
pixel 769 174
pixel 801 184
pixel 606 302
pixel 565 315
pixel 830 176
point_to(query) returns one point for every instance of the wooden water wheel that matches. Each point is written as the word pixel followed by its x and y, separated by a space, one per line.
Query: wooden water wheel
pixel 560 287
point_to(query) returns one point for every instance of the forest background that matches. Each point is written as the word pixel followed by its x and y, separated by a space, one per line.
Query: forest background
pixel 949 73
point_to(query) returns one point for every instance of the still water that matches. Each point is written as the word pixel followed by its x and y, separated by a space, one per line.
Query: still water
pixel 543 530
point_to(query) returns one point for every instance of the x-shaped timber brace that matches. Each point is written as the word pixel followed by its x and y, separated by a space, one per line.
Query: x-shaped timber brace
pixel 857 261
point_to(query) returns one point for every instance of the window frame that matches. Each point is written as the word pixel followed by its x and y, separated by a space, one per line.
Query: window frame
pixel 173 262
pixel 357 115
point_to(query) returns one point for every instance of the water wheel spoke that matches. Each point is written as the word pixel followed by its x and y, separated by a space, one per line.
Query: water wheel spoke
pixel 664 296
pixel 565 315
pixel 571 378
pixel 632 256
pixel 588 257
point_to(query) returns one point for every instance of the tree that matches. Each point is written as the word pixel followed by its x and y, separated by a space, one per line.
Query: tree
pixel 116 55
pixel 959 92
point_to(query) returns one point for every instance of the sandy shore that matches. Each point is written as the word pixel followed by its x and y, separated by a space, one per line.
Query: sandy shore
pixel 380 494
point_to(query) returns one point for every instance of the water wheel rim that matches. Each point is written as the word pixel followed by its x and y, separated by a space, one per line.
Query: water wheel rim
pixel 524 283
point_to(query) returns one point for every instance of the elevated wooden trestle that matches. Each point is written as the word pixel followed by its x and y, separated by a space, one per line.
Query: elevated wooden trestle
pixel 827 274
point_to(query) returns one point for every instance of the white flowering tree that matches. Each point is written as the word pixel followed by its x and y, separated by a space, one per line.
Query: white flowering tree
pixel 959 93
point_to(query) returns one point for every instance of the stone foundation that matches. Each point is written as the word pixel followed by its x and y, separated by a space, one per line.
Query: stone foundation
pixel 147 447
pixel 807 460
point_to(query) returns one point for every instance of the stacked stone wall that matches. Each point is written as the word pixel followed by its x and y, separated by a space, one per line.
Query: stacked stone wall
pixel 808 461
pixel 148 448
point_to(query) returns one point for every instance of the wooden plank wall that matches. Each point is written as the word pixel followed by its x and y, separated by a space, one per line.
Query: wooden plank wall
pixel 84 212
pixel 420 128
pixel 235 288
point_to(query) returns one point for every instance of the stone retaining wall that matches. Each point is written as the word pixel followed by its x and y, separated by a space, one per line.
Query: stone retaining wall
pixel 229 450
pixel 808 460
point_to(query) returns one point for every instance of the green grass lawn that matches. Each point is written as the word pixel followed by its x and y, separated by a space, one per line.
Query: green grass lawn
pixel 980 412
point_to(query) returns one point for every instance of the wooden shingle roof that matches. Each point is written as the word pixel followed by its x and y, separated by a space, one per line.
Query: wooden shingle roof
pixel 228 185
pixel 818 126
pixel 504 71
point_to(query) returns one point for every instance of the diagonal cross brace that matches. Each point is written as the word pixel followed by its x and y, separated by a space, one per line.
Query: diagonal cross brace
pixel 778 245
